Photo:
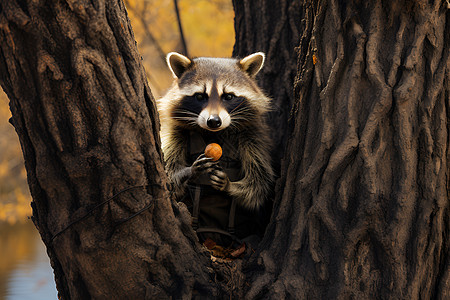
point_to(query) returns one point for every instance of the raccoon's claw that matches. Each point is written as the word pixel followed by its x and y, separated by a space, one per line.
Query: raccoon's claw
pixel 219 180
pixel 202 165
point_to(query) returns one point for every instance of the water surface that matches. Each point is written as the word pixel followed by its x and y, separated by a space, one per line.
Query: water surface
pixel 25 271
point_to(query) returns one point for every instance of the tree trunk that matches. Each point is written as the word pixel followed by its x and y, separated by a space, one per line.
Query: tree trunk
pixel 273 27
pixel 89 132
pixel 361 209
pixel 362 205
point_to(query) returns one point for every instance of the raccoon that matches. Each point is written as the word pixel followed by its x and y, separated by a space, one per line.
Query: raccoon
pixel 217 100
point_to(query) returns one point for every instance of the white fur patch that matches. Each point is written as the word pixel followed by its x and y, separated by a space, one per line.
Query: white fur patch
pixel 208 84
pixel 192 89
pixel 225 117
pixel 202 118
pixel 205 114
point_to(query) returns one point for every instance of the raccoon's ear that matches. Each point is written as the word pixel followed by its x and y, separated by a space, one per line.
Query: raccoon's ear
pixel 177 63
pixel 253 63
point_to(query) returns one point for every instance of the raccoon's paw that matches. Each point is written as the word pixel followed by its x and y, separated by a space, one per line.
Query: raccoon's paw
pixel 202 165
pixel 219 180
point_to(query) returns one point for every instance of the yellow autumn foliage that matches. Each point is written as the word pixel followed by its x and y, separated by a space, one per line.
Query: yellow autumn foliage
pixel 207 26
pixel 14 194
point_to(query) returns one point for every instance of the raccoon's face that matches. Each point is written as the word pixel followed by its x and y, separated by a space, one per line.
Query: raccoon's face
pixel 216 93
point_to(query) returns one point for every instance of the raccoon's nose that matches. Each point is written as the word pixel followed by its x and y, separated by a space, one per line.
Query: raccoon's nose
pixel 214 121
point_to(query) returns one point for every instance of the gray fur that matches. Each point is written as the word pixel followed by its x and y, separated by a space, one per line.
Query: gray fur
pixel 253 142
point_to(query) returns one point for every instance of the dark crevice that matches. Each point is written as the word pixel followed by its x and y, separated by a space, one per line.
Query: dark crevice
pixel 24 6
pixel 82 291
pixel 441 282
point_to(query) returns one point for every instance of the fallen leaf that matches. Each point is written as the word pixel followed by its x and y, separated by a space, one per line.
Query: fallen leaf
pixel 209 243
pixel 239 251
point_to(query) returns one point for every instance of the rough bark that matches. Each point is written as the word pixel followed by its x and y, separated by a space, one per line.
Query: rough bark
pixel 273 27
pixel 89 132
pixel 361 208
pixel 362 205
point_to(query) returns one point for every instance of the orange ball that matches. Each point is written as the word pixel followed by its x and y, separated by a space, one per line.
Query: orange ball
pixel 214 151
